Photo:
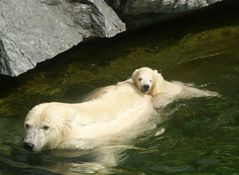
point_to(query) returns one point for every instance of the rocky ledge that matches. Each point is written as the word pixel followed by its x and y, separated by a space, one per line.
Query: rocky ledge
pixel 36 30
pixel 144 12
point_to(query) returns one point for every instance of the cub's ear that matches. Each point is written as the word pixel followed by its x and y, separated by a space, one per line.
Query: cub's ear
pixel 155 73
pixel 136 70
pixel 158 83
pixel 134 74
pixel 158 77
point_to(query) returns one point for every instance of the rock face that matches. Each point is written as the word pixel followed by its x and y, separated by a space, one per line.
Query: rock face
pixel 142 12
pixel 136 7
pixel 32 31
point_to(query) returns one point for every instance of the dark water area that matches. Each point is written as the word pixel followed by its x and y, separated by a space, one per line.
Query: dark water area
pixel 201 135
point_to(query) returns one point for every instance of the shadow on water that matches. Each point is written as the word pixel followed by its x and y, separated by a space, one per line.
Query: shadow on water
pixel 201 134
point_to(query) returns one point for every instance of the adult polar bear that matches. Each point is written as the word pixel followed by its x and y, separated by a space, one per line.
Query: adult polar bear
pixel 61 125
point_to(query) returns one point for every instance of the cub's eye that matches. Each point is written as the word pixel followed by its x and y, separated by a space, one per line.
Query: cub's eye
pixel 139 79
pixel 27 126
pixel 150 81
pixel 45 127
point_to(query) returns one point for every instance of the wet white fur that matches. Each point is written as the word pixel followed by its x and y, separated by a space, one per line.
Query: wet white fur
pixel 163 91
pixel 109 114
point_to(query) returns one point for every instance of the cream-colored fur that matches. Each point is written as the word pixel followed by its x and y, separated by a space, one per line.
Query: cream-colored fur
pixel 163 91
pixel 155 81
pixel 110 114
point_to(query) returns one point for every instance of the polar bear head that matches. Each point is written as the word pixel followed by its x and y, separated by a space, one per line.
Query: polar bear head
pixel 44 127
pixel 147 80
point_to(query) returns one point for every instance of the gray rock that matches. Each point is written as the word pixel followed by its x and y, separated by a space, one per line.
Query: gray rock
pixel 136 7
pixel 32 31
pixel 142 12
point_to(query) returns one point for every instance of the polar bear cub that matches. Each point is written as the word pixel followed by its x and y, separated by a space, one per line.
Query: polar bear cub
pixel 151 82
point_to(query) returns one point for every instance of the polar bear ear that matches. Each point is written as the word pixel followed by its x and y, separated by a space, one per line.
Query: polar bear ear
pixel 157 75
pixel 134 74
pixel 158 82
pixel 159 78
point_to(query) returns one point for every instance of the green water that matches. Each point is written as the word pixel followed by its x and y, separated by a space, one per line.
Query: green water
pixel 201 134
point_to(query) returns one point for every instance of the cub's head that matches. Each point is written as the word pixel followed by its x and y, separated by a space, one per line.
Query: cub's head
pixel 43 127
pixel 147 80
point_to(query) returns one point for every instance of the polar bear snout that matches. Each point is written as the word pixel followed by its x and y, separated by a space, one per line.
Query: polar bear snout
pixel 35 139
pixel 30 140
pixel 28 146
pixel 145 88
pixel 145 85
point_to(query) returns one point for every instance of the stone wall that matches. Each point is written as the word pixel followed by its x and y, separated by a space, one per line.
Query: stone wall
pixel 36 30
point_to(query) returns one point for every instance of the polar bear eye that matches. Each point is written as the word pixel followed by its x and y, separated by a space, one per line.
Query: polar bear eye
pixel 140 79
pixel 150 81
pixel 45 127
